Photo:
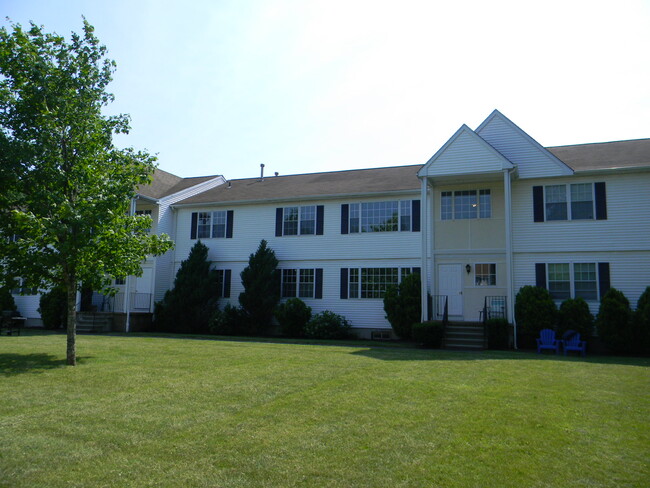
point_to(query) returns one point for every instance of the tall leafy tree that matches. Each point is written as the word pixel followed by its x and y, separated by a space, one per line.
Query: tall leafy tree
pixel 261 282
pixel 66 189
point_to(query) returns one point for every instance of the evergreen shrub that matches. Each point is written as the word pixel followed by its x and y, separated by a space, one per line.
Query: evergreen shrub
pixel 53 307
pixel 534 310
pixel 642 323
pixel 574 314
pixel 230 321
pixel 403 305
pixel 261 282
pixel 190 305
pixel 7 301
pixel 498 332
pixel 614 322
pixel 429 334
pixel 293 316
pixel 328 325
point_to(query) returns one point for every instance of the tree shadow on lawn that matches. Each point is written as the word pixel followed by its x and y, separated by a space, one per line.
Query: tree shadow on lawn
pixel 14 364
pixel 389 354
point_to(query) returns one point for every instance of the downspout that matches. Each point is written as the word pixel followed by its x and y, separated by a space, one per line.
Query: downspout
pixel 424 273
pixel 127 285
pixel 509 265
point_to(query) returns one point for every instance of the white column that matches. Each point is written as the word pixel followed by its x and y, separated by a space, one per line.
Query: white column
pixel 509 270
pixel 127 284
pixel 424 231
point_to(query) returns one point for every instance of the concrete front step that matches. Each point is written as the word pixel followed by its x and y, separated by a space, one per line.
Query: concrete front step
pixel 94 322
pixel 464 336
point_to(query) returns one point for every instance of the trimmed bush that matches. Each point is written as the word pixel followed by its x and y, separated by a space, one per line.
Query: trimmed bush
pixel 642 323
pixel 535 310
pixel 498 332
pixel 328 325
pixel 614 322
pixel 189 306
pixel 429 334
pixel 403 305
pixel 574 314
pixel 261 282
pixel 293 316
pixel 53 307
pixel 230 321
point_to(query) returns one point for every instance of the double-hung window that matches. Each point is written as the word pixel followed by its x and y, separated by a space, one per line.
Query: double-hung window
pixel 465 204
pixel 575 201
pixel 388 216
pixel 573 280
pixel 299 220
pixel 211 225
pixel 371 282
pixel 485 274
pixel 301 283
pixel 223 282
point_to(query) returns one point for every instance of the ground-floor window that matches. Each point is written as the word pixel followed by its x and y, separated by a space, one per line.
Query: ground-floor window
pixel 371 282
pixel 485 274
pixel 574 280
pixel 301 283
pixel 223 282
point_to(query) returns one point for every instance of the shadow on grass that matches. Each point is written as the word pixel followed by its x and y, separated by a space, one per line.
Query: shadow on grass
pixel 388 354
pixel 15 364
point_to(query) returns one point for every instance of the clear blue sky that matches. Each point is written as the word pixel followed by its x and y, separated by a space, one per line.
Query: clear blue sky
pixel 218 87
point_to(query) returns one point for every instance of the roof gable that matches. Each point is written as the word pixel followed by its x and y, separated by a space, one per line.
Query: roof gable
pixel 531 159
pixel 465 153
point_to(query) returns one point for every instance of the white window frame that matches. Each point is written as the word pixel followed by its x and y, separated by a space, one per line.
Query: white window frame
pixel 569 201
pixel 356 284
pixel 452 209
pixel 305 225
pixel 207 219
pixel 491 273
pixel 573 272
pixel 361 213
pixel 302 276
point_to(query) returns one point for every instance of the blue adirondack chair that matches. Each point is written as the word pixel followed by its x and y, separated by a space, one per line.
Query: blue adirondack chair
pixel 547 340
pixel 571 342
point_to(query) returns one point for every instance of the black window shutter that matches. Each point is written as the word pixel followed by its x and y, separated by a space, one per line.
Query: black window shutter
pixel 278 222
pixel 229 223
pixel 195 221
pixel 540 275
pixel 344 283
pixel 601 201
pixel 538 204
pixel 320 214
pixel 227 274
pixel 318 292
pixel 415 215
pixel 603 279
pixel 345 217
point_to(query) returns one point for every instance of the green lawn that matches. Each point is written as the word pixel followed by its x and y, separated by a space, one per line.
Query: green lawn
pixel 176 412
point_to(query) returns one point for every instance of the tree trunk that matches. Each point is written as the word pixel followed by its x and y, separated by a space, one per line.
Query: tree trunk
pixel 71 351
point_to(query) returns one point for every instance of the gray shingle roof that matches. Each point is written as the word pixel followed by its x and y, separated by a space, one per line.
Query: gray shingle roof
pixel 582 157
pixel 164 184
pixel 605 155
pixel 360 181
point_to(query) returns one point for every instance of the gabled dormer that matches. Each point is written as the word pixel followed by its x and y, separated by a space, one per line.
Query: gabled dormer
pixel 465 153
pixel 531 159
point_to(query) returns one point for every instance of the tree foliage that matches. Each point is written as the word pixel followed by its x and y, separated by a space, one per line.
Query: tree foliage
pixel 189 306
pixel 66 189
pixel 293 316
pixel 642 323
pixel 53 309
pixel 403 305
pixel 261 282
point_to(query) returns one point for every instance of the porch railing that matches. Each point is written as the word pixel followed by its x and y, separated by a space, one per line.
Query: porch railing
pixel 494 307
pixel 439 308
pixel 138 302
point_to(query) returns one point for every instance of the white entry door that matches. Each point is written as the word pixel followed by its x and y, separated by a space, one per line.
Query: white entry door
pixel 450 284
pixel 141 299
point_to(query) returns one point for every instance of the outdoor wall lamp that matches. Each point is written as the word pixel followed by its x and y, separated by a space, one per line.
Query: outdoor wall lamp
pixel 468 268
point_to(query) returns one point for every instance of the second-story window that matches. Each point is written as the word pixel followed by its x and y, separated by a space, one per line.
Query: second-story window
pixel 299 220
pixel 465 204
pixel 210 225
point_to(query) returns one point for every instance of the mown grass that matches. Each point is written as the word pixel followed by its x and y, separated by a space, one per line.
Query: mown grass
pixel 169 412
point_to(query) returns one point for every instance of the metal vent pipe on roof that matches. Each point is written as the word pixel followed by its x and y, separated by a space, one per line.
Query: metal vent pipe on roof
pixel 262 171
